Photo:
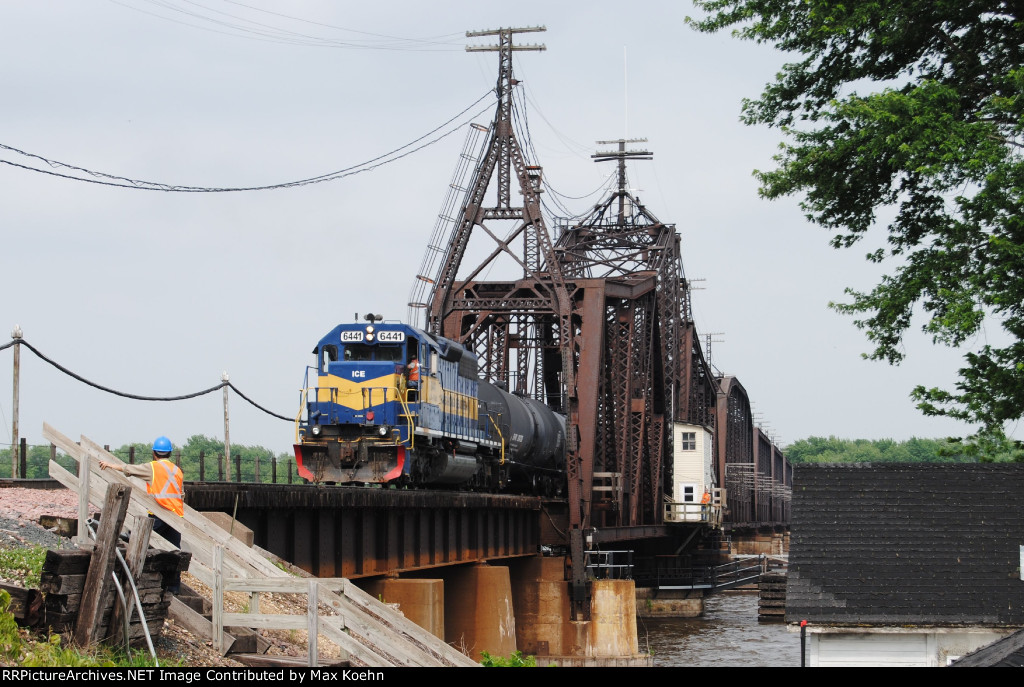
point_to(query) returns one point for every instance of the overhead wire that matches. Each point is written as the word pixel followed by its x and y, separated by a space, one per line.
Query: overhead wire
pixel 139 397
pixel 255 30
pixel 524 130
pixel 522 126
pixel 456 38
pixel 373 163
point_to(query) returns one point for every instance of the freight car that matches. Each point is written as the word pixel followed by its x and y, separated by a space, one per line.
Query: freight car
pixel 391 404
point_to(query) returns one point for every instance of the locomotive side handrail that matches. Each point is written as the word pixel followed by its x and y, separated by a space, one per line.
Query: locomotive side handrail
pixel 500 436
pixel 302 409
pixel 407 414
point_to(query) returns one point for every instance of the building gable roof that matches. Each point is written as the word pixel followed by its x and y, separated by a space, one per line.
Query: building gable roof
pixel 908 544
pixel 1006 653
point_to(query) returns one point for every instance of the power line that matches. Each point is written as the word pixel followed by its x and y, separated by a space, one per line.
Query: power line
pixel 238 26
pixel 105 179
pixel 139 397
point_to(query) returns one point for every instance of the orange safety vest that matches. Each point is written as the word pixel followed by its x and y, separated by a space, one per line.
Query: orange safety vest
pixel 166 486
pixel 414 371
pixel 706 498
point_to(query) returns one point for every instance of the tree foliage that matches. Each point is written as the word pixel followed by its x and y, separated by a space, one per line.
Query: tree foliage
pixel 835 450
pixel 934 147
pixel 248 458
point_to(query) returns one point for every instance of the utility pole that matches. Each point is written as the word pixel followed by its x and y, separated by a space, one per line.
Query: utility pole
pixel 621 155
pixel 17 336
pixel 227 433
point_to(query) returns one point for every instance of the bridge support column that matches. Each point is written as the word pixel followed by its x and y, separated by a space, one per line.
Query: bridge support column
pixel 421 601
pixel 478 610
pixel 669 603
pixel 544 625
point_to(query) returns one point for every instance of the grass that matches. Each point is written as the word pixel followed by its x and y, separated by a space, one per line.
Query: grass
pixel 22 565
pixel 19 647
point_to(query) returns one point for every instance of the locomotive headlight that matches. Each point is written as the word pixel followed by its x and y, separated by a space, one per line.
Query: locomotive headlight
pixel 369 337
pixel 369 329
pixel 382 430
pixel 316 430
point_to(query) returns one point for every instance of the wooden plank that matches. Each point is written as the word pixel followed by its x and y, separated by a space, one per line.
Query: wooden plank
pixel 83 540
pixel 26 604
pixel 98 580
pixel 263 621
pixel 138 545
pixel 65 527
pixel 218 597
pixel 312 629
pixel 182 614
pixel 281 585
pixel 398 623
pixel 66 561
pixel 268 661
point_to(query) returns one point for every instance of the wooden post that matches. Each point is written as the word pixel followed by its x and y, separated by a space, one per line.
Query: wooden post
pixel 227 431
pixel 238 468
pixel 202 466
pixel 289 472
pixel 83 540
pixel 273 469
pixel 16 335
pixel 131 455
pixel 218 598
pixel 98 581
pixel 256 469
pixel 138 545
pixel 24 457
pixel 313 628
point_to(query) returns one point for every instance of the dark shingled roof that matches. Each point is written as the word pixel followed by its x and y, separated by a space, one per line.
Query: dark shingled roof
pixel 907 544
pixel 1006 653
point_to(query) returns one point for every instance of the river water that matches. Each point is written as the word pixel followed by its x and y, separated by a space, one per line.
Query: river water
pixel 729 634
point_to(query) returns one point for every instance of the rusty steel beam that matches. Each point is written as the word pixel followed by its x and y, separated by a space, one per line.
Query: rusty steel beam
pixel 360 532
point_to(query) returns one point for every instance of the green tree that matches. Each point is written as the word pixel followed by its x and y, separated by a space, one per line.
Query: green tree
pixel 937 143
pixel 833 450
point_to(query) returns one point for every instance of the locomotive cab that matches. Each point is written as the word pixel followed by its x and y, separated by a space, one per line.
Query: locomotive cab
pixel 359 417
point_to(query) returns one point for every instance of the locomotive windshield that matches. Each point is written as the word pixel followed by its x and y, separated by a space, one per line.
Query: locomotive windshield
pixel 329 354
pixel 359 351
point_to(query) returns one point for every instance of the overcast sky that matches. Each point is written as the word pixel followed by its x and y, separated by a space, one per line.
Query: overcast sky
pixel 158 293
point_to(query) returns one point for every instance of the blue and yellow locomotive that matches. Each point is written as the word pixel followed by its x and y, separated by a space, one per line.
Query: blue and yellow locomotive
pixel 393 404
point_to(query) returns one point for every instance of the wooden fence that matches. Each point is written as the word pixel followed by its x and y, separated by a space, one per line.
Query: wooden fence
pixel 372 633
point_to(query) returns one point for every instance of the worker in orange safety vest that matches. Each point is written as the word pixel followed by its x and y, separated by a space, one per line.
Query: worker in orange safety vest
pixel 165 482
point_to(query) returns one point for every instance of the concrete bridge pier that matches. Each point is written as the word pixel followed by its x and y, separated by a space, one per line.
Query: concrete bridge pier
pixel 470 607
pixel 523 606
pixel 544 625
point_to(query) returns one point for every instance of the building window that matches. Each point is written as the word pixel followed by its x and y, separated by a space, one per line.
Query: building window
pixel 689 491
pixel 688 441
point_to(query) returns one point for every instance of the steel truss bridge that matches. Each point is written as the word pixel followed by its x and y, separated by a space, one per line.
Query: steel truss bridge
pixel 596 322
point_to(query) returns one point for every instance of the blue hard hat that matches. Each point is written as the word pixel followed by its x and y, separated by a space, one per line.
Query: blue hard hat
pixel 162 445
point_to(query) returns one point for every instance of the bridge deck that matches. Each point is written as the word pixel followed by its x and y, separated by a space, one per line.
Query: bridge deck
pixel 355 532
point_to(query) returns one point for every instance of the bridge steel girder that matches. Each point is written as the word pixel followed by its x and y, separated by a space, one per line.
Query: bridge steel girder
pixel 735 450
pixel 359 532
